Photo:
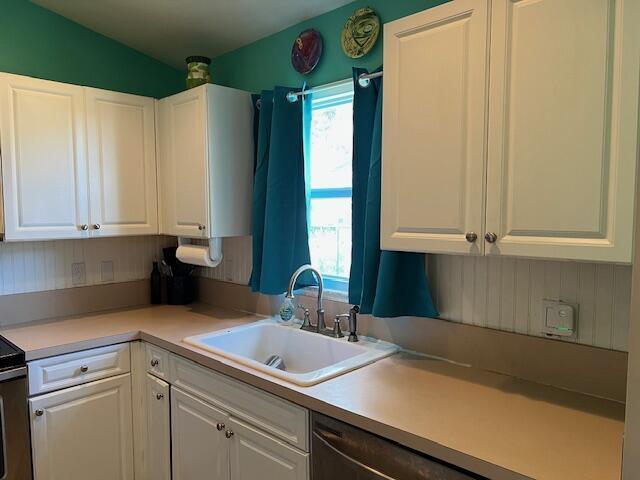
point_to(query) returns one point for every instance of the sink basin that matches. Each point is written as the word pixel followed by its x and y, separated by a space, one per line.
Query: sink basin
pixel 309 358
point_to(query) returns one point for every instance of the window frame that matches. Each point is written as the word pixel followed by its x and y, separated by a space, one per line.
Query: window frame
pixel 326 96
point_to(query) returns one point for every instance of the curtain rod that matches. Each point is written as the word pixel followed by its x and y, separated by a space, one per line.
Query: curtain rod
pixel 364 80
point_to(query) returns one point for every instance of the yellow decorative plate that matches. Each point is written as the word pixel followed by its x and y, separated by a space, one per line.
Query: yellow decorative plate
pixel 360 33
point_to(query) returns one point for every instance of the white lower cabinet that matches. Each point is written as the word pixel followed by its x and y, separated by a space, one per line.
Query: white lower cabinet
pixel 158 451
pixel 192 424
pixel 199 447
pixel 84 432
pixel 207 442
pixel 256 455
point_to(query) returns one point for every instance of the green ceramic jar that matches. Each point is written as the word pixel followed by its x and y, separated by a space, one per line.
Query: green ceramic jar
pixel 198 71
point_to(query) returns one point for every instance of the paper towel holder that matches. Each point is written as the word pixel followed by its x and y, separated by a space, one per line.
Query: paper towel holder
pixel 215 250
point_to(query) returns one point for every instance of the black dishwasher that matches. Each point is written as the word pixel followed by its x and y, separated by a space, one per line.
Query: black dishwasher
pixel 342 452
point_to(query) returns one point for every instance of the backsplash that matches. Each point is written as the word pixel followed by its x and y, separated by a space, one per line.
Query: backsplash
pixel 503 293
pixel 39 266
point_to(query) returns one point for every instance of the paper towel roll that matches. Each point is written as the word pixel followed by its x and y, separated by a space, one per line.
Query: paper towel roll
pixel 197 255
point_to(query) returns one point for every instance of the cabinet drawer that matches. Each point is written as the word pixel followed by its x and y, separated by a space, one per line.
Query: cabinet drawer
pixel 271 414
pixel 76 368
pixel 157 361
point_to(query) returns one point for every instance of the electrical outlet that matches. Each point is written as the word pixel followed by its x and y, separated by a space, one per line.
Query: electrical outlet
pixel 78 273
pixel 560 318
pixel 228 266
pixel 106 271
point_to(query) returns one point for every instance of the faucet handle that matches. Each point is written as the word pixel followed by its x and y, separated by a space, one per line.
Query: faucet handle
pixel 337 331
pixel 306 322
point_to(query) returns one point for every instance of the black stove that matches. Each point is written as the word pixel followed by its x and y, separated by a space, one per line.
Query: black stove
pixel 15 451
pixel 10 355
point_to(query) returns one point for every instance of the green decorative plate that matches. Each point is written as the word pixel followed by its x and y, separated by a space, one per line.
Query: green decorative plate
pixel 360 33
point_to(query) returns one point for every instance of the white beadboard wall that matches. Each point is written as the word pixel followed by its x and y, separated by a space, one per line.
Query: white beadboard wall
pixel 503 293
pixel 38 266
pixel 506 293
pixel 236 261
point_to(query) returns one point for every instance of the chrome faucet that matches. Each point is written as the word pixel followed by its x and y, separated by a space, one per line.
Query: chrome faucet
pixel 320 326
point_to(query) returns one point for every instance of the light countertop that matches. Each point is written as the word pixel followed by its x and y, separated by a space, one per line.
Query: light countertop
pixel 491 424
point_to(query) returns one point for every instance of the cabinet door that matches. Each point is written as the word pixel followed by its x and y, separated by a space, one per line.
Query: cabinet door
pixel 433 157
pixel 43 159
pixel 255 454
pixel 158 456
pixel 84 432
pixel 563 128
pixel 183 164
pixel 198 449
pixel 122 163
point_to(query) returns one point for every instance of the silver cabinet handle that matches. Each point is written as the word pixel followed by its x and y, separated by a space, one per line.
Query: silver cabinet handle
pixel 220 426
pixel 159 396
pixel 84 368
pixel 96 226
pixel 155 362
pixel 39 412
pixel 491 237
pixel 228 433
pixel 471 237
pixel 84 227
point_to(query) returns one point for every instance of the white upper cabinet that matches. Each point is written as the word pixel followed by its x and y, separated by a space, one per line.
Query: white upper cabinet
pixel 563 128
pixel 122 163
pixel 61 180
pixel 182 162
pixel 561 98
pixel 44 166
pixel 206 162
pixel 434 128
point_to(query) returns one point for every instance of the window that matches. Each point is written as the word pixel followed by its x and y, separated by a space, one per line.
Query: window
pixel 329 180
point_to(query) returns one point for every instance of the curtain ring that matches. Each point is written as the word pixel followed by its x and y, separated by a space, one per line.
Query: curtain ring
pixel 363 81
pixel 292 97
pixel 259 103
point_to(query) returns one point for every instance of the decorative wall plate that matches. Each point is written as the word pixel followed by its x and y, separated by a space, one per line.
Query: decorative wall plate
pixel 306 51
pixel 360 33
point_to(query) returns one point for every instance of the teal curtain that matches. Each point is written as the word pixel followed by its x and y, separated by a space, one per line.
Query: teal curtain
pixel 280 235
pixel 383 283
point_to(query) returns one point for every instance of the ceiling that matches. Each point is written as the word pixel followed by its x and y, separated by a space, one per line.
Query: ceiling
pixel 170 30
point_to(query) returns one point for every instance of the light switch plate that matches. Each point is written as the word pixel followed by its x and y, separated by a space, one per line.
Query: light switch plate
pixel 560 318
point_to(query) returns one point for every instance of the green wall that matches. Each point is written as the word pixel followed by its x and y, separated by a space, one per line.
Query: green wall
pixel 267 62
pixel 40 43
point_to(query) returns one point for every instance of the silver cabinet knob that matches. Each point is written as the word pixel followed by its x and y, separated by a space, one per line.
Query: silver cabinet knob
pixel 220 426
pixel 491 237
pixel 84 227
pixel 39 412
pixel 471 237
pixel 201 227
pixel 228 433
pixel 159 396
pixel 84 368
pixel 155 362
pixel 96 226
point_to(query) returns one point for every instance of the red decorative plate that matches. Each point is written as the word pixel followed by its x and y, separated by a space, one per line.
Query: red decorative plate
pixel 306 51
